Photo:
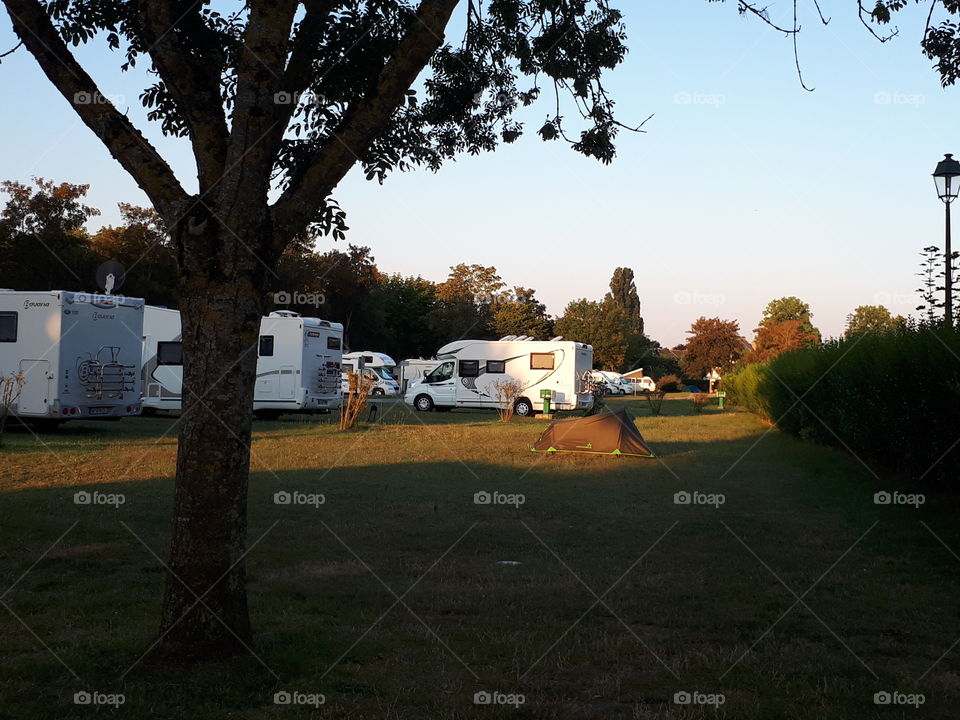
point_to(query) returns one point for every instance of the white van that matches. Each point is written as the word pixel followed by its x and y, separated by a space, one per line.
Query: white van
pixel 643 384
pixel 79 354
pixel 376 365
pixel 468 370
pixel 298 363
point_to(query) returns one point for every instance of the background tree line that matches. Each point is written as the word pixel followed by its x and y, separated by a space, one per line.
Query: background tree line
pixel 45 244
pixel 786 325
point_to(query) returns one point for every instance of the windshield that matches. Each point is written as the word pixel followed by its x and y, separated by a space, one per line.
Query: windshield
pixel 383 373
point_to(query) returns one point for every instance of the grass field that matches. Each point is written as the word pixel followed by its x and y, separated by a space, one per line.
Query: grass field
pixel 798 597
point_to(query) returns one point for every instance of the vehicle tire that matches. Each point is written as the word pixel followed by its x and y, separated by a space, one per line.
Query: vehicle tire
pixel 377 392
pixel 423 403
pixel 523 408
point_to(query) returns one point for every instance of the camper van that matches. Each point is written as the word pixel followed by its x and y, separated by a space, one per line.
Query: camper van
pixel 376 365
pixel 414 369
pixel 468 371
pixel 79 354
pixel 298 363
pixel 607 382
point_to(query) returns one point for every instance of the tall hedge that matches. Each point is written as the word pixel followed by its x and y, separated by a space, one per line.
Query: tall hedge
pixel 893 399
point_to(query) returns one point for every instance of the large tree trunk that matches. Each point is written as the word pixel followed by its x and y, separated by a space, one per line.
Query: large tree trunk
pixel 222 293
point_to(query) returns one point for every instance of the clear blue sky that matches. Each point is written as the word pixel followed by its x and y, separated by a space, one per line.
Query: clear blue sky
pixel 744 188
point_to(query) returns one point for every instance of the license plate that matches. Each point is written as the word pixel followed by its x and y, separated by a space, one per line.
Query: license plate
pixel 99 411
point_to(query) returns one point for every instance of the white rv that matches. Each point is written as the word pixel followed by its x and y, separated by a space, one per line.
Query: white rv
pixel 378 366
pixel 162 366
pixel 79 354
pixel 298 363
pixel 414 369
pixel 468 371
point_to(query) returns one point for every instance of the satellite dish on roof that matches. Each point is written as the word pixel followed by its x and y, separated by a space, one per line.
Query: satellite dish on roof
pixel 110 276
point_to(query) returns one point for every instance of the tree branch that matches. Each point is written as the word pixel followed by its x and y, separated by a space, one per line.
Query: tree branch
pixel 12 50
pixel 259 115
pixel 191 73
pixel 796 50
pixel 304 50
pixel 861 11
pixel 363 122
pixel 762 14
pixel 125 143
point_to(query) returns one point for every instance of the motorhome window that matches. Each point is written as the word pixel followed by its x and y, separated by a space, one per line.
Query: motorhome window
pixel 469 368
pixel 541 361
pixel 266 346
pixel 170 353
pixel 368 359
pixel 443 372
pixel 333 343
pixel 8 327
pixel 496 366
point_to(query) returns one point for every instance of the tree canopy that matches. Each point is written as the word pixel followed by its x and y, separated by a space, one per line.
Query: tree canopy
pixel 792 309
pixel 872 318
pixel 598 323
pixel 713 343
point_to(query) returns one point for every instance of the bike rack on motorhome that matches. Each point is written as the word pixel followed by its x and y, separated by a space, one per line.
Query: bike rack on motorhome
pixel 78 354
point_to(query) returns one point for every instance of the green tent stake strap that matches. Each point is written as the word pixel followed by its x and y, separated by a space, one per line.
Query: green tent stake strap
pixel 608 433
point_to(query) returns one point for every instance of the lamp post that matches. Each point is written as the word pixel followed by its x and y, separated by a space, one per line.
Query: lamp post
pixel 947 179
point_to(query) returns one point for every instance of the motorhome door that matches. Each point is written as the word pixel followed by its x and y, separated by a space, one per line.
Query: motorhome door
pixel 288 379
pixel 35 396
pixel 441 383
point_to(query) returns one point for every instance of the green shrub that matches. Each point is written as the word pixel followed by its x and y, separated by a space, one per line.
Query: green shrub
pixel 671 383
pixel 892 399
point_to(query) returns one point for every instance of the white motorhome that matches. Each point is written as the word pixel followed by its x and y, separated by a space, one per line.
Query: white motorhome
pixel 468 371
pixel 298 363
pixel 376 365
pixel 79 354
pixel 162 366
pixel 414 369
pixel 606 381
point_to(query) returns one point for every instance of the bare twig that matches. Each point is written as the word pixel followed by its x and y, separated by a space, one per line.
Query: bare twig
pixel 863 13
pixel 796 52
pixel 761 13
pixel 12 50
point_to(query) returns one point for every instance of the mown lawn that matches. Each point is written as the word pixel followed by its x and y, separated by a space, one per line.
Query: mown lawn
pixel 798 597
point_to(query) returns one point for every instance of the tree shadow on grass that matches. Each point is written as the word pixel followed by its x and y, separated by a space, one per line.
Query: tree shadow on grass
pixel 325 578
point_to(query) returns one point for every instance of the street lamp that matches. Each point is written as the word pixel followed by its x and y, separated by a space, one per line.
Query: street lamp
pixel 947 179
